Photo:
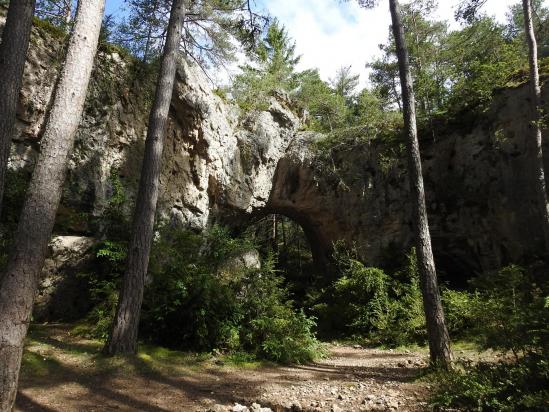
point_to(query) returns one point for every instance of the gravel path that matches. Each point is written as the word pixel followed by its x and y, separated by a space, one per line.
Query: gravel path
pixel 64 373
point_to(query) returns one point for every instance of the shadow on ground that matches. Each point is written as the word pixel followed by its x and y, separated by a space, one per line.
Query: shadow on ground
pixel 63 373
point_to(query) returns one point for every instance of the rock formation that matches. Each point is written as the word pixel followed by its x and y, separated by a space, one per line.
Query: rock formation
pixel 224 166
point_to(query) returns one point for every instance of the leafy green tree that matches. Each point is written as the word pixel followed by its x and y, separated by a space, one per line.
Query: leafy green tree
pixel 345 83
pixel 480 58
pixel 327 108
pixel 425 38
pixel 58 12
pixel 540 24
pixel 273 68
pixel 212 29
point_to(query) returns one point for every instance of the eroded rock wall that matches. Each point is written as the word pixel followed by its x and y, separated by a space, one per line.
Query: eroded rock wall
pixel 222 166
pixel 215 159
pixel 480 194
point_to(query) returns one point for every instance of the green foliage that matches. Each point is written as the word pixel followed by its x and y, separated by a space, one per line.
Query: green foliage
pixel 103 285
pixel 210 37
pixel 200 297
pixel 327 109
pixel 481 59
pixel 14 196
pixel 460 312
pixel 511 313
pixel 382 309
pixel 540 16
pixel 286 335
pixel 388 309
pixel 451 70
pixel 114 218
pixel 519 386
pixel 272 70
pixel 53 30
pixel 58 13
pixel 345 83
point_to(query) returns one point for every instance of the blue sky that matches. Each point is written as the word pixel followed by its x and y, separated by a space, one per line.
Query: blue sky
pixel 334 33
pixel 113 6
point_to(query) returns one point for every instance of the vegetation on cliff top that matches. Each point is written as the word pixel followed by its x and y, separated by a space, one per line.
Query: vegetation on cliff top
pixel 200 291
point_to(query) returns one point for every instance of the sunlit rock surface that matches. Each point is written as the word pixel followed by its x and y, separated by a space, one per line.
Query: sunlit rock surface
pixel 220 165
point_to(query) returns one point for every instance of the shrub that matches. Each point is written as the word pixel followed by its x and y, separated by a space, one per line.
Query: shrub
pixel 270 326
pixel 103 284
pixel 510 313
pixel 460 312
pixel 385 309
pixel 193 300
pixel 517 386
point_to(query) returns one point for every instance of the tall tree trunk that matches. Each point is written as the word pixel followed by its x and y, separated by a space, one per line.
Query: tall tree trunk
pixel 535 96
pixel 274 236
pixel 151 19
pixel 123 337
pixel 67 12
pixel 439 342
pixel 19 283
pixel 13 53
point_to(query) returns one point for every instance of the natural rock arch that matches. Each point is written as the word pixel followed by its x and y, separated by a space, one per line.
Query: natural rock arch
pixel 224 166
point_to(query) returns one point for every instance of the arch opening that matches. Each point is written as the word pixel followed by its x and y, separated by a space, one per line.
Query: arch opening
pixel 299 254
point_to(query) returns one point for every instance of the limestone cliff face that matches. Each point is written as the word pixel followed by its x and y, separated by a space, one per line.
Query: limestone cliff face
pixel 222 166
pixel 480 196
pixel 214 158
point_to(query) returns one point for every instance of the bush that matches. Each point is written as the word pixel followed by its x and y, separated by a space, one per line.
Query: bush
pixel 270 326
pixel 510 312
pixel 195 300
pixel 518 386
pixel 384 309
pixel 460 312
pixel 104 284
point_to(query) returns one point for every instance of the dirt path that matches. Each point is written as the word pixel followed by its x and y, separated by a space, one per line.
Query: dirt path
pixel 64 373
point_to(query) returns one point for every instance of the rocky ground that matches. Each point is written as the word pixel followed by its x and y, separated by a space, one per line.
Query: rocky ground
pixel 62 372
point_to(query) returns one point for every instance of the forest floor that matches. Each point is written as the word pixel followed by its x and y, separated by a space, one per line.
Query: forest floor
pixel 62 372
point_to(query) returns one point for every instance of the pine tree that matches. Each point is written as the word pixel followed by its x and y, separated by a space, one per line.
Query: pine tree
pixel 123 337
pixel 20 281
pixel 13 53
pixel 439 341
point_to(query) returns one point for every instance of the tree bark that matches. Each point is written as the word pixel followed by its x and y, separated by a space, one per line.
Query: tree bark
pixel 13 53
pixel 535 119
pixel 67 12
pixel 123 337
pixel 439 342
pixel 19 283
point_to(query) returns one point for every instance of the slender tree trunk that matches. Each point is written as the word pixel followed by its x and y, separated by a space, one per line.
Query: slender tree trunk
pixel 274 236
pixel 123 337
pixel 19 283
pixel 13 53
pixel 439 342
pixel 535 126
pixel 67 12
pixel 149 32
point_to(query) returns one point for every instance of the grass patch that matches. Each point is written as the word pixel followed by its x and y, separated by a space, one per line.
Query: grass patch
pixel 37 365
pixel 53 350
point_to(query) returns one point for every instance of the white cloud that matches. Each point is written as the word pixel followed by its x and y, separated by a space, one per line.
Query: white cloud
pixel 333 33
pixel 330 34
